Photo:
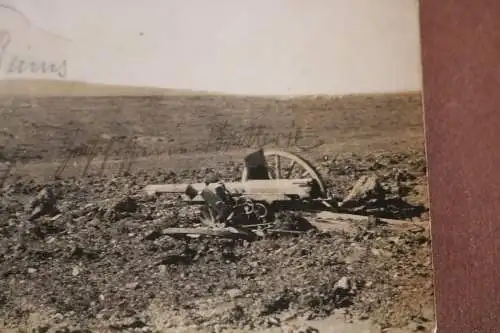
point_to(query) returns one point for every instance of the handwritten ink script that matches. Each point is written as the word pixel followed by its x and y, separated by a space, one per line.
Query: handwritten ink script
pixel 127 149
pixel 87 153
pixel 16 64
pixel 257 136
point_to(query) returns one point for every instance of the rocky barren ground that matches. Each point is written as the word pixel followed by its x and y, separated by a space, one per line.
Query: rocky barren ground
pixel 104 264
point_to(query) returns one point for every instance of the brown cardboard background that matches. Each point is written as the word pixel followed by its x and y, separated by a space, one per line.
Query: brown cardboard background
pixel 461 67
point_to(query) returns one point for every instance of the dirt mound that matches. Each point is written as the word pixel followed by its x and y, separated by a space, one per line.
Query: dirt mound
pixel 104 262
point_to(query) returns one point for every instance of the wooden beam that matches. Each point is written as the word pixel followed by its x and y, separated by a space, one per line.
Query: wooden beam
pixel 330 220
pixel 274 189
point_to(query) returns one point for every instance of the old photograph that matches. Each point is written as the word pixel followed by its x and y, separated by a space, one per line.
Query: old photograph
pixel 213 166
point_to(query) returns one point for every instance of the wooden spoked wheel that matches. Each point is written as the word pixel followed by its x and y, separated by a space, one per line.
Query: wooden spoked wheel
pixel 285 165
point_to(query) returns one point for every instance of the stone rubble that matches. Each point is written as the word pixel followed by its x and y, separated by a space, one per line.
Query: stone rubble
pixel 101 260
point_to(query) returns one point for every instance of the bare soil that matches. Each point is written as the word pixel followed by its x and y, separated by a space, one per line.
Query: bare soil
pixel 97 267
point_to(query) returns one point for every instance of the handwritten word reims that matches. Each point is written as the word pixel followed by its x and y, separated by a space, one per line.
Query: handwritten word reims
pixel 16 64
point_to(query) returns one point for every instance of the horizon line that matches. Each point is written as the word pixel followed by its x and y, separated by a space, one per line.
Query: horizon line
pixel 156 90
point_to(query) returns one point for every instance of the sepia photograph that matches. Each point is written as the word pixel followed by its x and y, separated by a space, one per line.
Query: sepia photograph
pixel 213 166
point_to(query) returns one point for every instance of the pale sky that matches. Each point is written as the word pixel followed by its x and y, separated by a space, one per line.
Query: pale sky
pixel 233 46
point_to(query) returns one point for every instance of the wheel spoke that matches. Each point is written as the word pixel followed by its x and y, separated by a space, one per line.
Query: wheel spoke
pixel 277 166
pixel 290 169
pixel 274 171
pixel 270 172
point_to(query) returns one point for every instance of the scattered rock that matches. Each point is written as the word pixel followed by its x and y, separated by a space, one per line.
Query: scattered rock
pixel 273 321
pixel 234 293
pixel 153 235
pixel 366 190
pixel 342 285
pixel 100 271
pixel 416 327
pixel 75 271
pixel 292 221
pixel 132 285
pixel 125 205
pixel 43 204
pixel 307 329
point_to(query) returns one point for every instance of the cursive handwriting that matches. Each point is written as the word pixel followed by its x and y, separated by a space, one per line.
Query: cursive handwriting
pixel 128 150
pixel 257 136
pixel 99 146
pixel 20 66
pixel 16 64
pixel 124 147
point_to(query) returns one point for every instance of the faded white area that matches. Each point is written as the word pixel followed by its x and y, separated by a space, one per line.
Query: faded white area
pixel 249 47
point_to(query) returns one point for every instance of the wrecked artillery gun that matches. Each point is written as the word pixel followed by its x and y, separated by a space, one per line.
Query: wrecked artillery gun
pixel 271 180
pixel 261 202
